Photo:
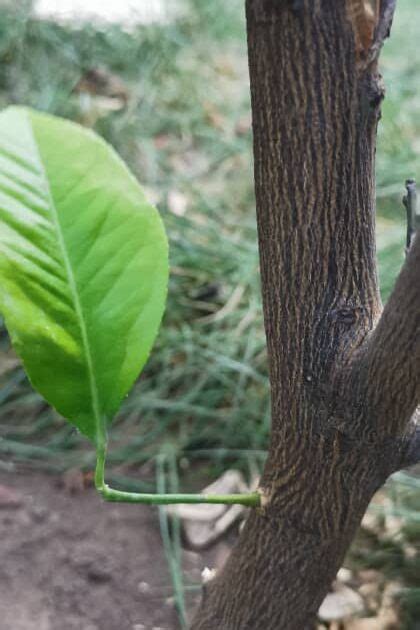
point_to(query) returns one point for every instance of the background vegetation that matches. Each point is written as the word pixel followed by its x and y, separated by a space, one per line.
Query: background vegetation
pixel 173 98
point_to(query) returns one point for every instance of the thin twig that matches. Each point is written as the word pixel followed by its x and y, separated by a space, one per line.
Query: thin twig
pixel 383 28
pixel 413 218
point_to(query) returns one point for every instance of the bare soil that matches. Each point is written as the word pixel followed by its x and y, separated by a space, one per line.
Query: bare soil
pixel 68 561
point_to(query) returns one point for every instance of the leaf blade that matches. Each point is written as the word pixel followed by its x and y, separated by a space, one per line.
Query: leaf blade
pixel 89 261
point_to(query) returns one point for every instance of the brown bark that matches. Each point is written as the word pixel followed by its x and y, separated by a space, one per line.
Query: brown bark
pixel 344 379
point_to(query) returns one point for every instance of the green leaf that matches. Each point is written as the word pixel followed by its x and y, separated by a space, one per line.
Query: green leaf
pixel 83 266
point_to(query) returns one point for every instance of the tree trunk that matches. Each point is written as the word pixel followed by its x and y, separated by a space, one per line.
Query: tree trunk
pixel 344 376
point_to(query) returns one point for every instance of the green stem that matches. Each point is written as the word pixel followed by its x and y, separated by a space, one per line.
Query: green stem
pixel 252 499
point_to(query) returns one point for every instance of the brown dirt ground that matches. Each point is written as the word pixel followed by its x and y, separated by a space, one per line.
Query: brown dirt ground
pixel 68 561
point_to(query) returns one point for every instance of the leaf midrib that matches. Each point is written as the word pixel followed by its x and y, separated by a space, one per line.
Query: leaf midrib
pixel 99 421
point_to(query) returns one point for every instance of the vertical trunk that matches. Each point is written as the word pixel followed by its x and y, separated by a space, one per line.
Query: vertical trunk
pixel 316 97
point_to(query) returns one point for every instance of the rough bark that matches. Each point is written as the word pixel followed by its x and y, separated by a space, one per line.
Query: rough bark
pixel 344 377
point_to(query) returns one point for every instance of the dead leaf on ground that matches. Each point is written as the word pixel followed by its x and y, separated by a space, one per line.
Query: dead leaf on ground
pixel 341 604
pixel 344 575
pixel 203 524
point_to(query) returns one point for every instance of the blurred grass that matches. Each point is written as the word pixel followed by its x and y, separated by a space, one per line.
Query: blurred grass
pixel 184 129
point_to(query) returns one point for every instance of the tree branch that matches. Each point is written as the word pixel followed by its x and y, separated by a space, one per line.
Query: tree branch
pixel 390 362
pixel 410 203
pixel 383 27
